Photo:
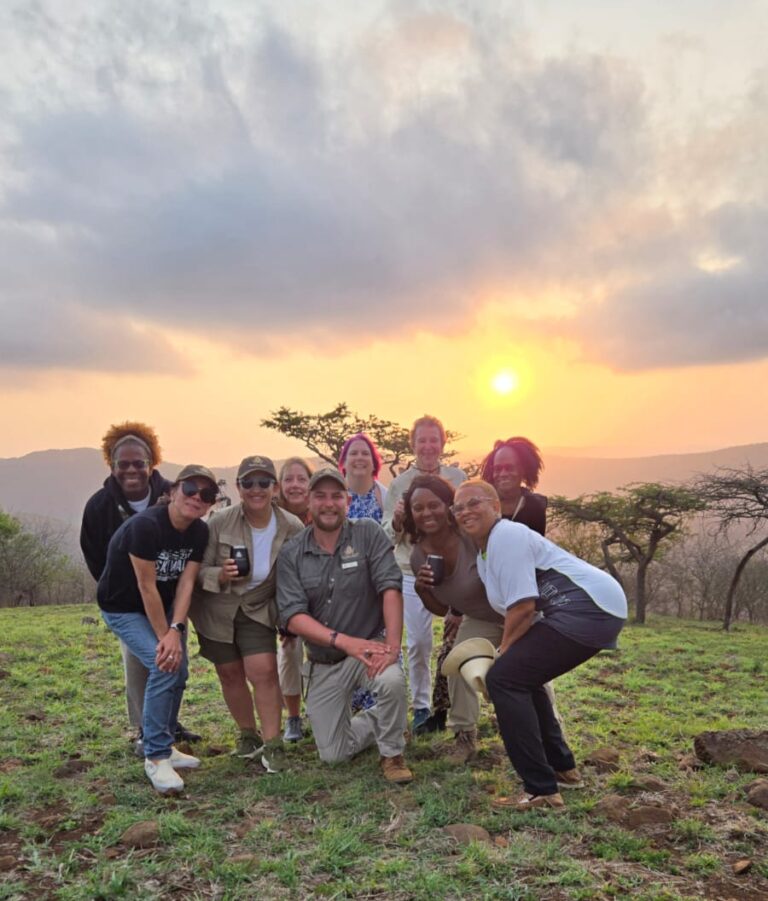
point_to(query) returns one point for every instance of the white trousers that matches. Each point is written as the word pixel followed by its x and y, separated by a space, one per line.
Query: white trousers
pixel 418 643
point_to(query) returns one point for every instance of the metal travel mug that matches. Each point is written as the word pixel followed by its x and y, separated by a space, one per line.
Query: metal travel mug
pixel 437 564
pixel 239 553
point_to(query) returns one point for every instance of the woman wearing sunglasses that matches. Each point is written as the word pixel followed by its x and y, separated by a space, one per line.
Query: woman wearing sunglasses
pixel 582 609
pixel 235 613
pixel 131 451
pixel 144 594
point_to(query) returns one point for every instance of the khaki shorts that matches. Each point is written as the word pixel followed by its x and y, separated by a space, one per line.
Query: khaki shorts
pixel 250 638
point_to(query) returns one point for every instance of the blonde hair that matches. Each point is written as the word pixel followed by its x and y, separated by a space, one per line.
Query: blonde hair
pixel 485 487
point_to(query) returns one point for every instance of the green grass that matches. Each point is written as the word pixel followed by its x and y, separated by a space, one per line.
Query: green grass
pixel 341 832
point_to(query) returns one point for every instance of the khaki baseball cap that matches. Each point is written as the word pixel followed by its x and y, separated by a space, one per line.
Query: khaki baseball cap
pixel 256 464
pixel 195 469
pixel 327 472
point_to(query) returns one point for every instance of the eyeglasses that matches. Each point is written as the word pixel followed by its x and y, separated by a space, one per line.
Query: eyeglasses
pixel 472 504
pixel 249 483
pixel 125 465
pixel 207 495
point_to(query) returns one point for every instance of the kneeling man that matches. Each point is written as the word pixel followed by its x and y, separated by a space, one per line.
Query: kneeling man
pixel 339 588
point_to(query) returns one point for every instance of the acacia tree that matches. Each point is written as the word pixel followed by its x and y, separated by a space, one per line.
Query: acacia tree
pixel 31 560
pixel 633 523
pixel 325 433
pixel 738 496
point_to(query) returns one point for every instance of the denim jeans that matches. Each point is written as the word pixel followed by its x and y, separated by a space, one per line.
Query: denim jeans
pixel 164 691
pixel 527 722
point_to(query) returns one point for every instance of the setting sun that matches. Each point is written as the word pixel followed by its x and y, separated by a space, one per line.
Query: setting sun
pixel 504 382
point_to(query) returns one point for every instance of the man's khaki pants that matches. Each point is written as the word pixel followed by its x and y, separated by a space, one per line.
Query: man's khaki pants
pixel 465 701
pixel 135 682
pixel 339 735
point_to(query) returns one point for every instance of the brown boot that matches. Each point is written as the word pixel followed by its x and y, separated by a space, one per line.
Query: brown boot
pixel 530 802
pixel 569 779
pixel 463 748
pixel 395 770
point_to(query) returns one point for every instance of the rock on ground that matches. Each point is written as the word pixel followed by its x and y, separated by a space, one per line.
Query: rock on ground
pixel 649 816
pixel 605 760
pixel 612 807
pixel 757 794
pixel 464 833
pixel 141 835
pixel 745 749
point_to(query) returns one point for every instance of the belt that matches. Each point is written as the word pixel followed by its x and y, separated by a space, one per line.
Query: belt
pixel 315 662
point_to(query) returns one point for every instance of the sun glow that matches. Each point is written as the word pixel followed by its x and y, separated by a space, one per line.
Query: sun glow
pixel 505 382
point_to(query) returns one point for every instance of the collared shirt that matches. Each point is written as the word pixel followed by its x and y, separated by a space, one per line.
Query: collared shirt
pixel 214 605
pixel 342 590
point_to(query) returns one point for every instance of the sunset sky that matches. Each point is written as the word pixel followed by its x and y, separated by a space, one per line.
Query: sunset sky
pixel 544 218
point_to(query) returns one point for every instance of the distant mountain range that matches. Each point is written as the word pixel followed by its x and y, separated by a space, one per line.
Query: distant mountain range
pixel 57 483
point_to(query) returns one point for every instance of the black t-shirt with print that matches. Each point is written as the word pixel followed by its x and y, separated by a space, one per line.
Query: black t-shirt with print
pixel 148 536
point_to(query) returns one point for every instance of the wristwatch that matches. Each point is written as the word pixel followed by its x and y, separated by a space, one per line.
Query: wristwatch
pixel 179 627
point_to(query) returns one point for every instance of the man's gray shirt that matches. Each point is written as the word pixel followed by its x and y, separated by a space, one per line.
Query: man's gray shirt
pixel 342 590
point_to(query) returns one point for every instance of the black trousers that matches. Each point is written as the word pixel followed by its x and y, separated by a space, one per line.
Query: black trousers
pixel 528 725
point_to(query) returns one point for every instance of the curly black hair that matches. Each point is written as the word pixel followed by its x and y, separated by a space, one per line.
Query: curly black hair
pixel 529 455
pixel 437 485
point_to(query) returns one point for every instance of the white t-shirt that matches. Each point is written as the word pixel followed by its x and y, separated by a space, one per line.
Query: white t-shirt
pixel 142 505
pixel 261 550
pixel 514 555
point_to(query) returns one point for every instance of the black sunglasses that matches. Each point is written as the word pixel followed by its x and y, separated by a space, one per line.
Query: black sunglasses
pixel 249 483
pixel 125 465
pixel 207 495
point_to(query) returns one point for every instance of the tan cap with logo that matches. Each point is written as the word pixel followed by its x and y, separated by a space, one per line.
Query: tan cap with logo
pixel 327 472
pixel 256 464
pixel 195 469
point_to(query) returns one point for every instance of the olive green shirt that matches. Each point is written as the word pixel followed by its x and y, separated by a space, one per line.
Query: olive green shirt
pixel 214 605
pixel 342 590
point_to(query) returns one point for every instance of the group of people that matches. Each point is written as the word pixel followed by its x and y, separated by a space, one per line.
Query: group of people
pixel 305 586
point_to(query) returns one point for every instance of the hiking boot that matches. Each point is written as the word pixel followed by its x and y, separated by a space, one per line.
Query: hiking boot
pixel 463 749
pixel 420 716
pixel 293 730
pixel 273 756
pixel 183 734
pixel 530 802
pixel 163 776
pixel 569 779
pixel 395 770
pixel 249 745
pixel 181 761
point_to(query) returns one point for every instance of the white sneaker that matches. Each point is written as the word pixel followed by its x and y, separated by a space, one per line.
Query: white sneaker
pixel 163 776
pixel 181 761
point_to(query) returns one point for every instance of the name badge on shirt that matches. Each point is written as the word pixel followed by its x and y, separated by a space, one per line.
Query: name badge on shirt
pixel 350 564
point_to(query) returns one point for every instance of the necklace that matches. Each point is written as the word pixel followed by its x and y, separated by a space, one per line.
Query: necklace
pixel 519 507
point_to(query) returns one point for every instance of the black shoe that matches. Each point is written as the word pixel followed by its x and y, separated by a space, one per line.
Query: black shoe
pixel 435 722
pixel 183 734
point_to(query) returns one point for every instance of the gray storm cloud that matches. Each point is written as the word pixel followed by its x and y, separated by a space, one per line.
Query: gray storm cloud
pixel 183 166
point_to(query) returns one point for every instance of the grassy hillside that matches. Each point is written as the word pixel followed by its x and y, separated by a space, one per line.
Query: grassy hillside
pixel 69 788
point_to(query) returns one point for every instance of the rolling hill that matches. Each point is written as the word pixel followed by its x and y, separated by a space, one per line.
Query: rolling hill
pixel 57 483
